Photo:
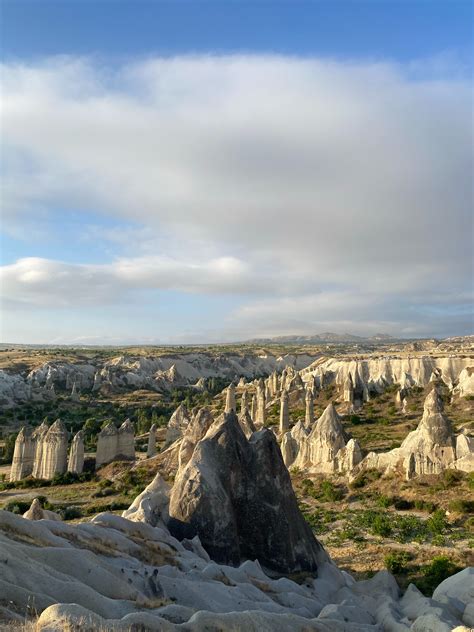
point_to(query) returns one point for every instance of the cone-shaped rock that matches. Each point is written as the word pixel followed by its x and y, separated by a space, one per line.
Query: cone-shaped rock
pixel 284 413
pixel 236 495
pixel 76 454
pixel 38 437
pixel 23 455
pixel 230 404
pixel 126 440
pixel 107 445
pixel 54 457
pixel 151 448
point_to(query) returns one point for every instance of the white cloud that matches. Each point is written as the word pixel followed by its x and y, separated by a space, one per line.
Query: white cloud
pixel 334 186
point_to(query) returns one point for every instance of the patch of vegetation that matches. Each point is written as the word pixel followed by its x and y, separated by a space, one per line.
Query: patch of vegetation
pixel 440 568
pixel 364 478
pixel 397 562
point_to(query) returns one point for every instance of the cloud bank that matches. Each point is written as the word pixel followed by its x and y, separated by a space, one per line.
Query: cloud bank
pixel 322 193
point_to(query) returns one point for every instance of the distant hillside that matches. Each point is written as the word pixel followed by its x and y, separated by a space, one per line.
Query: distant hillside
pixel 326 337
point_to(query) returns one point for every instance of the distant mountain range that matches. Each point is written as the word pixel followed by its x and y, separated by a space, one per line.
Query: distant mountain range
pixel 327 336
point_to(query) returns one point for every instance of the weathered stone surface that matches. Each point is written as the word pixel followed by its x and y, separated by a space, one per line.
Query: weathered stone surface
pixel 237 496
pixel 151 447
pixel 54 451
pixel 309 408
pixel 230 404
pixel 197 428
pixel 126 441
pixel 177 424
pixel 76 454
pixel 38 436
pixel 23 455
pixel 107 445
pixel 151 506
pixel 284 413
pixel 36 512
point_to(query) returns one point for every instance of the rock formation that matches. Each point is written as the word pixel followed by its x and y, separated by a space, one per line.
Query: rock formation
pixel 254 408
pixel 197 428
pixel 325 447
pixel 429 449
pixel 74 393
pixel 177 424
pixel 54 451
pixel 107 445
pixel 236 495
pixel 36 512
pixel 76 454
pixel 23 455
pixel 243 403
pixel 246 423
pixel 348 391
pixel 38 437
pixel 309 412
pixel 151 448
pixel 126 441
pixel 284 413
pixel 261 402
pixel 230 404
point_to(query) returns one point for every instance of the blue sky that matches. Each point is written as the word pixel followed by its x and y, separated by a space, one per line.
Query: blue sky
pixel 209 171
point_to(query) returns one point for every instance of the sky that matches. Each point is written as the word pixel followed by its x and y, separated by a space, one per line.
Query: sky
pixel 192 172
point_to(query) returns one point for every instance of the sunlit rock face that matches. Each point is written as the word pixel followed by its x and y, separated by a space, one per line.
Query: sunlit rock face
pixel 76 454
pixel 23 455
pixel 236 495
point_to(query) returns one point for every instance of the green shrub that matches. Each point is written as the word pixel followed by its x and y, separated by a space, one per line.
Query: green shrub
pixel 70 512
pixel 381 526
pixel 17 506
pixel 397 562
pixel 461 506
pixel 452 477
pixel 440 568
pixel 384 501
pixel 402 503
pixel 437 523
pixel 330 492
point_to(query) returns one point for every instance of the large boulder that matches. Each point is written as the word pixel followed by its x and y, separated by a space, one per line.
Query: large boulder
pixel 236 494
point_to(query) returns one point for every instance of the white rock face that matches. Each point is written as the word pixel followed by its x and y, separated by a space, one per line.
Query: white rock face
pixel 76 454
pixel 38 436
pixel 153 581
pixel 151 506
pixel 53 451
pixel 107 445
pixel 324 447
pixel 36 512
pixel 126 441
pixel 284 413
pixel 376 373
pixel 177 424
pixel 230 404
pixel 151 448
pixel 429 449
pixel 23 455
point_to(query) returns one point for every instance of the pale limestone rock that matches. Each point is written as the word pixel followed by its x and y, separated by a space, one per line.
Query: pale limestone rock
pixel 348 390
pixel 464 445
pixel 260 420
pixel 349 456
pixel 23 455
pixel 243 403
pixel 200 422
pixel 284 413
pixel 107 445
pixel 309 408
pixel 177 424
pixel 76 454
pixel 151 448
pixel 241 383
pixel 246 423
pixel 291 442
pixel 54 453
pixel 126 440
pixel 36 512
pixel 319 448
pixel 151 506
pixel 74 393
pixel 230 404
pixel 200 384
pixel 38 437
pixel 254 408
